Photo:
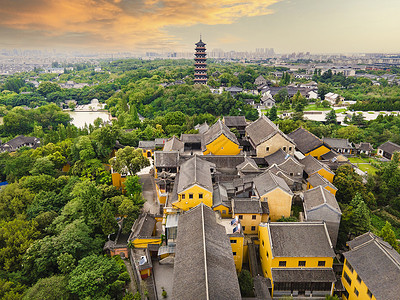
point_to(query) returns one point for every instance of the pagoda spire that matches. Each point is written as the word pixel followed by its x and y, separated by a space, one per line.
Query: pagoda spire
pixel 200 64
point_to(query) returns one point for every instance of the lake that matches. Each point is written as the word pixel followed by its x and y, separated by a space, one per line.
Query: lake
pixel 80 118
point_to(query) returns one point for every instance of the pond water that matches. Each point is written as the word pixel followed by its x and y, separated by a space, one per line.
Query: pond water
pixel 80 118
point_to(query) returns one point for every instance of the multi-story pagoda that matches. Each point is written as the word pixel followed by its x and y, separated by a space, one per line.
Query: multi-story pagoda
pixel 200 65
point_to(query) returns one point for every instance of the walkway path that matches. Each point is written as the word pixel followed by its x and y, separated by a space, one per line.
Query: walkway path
pixel 150 194
pixel 131 286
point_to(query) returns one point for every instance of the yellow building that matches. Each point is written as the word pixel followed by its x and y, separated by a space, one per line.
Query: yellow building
pixel 312 166
pixel 144 232
pixel 194 184
pixel 148 147
pixel 250 213
pixel 297 258
pixel 317 180
pixel 219 140
pixel 221 202
pixel 274 190
pixel 308 144
pixel 266 138
pixel 371 270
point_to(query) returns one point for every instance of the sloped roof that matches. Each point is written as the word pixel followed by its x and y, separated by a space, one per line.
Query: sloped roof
pixel 143 226
pixel 364 146
pixel 234 89
pixel 204 267
pixel 191 138
pixel 246 206
pixel 147 144
pixel 202 127
pixel 173 144
pixel 260 80
pixel 312 165
pixel 20 141
pixel 389 147
pixel 165 159
pixel 195 171
pixel 235 121
pixel 267 182
pixel 217 130
pixel 377 264
pixel 277 157
pixel 317 180
pixel 300 239
pixel 305 141
pixel 303 275
pixel 263 129
pixel 248 164
pixel 220 196
pixel 338 143
pixel 319 196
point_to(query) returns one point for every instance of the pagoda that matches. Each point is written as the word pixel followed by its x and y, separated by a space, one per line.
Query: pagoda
pixel 200 65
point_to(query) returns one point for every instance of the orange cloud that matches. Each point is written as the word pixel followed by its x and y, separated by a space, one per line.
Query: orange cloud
pixel 124 24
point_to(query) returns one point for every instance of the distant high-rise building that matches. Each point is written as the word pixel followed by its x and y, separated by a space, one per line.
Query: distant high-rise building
pixel 200 65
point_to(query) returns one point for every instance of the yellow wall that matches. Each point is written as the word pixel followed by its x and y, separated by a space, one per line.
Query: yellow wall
pixel 143 242
pixel 279 203
pixel 186 204
pixel 247 222
pixel 268 262
pixel 275 143
pixel 318 152
pixel 145 153
pixel 161 195
pixel 327 175
pixel 238 248
pixel 221 208
pixel 327 187
pixel 361 287
pixel 118 180
pixel 222 146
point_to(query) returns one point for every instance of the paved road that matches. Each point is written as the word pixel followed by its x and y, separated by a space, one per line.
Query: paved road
pixel 149 193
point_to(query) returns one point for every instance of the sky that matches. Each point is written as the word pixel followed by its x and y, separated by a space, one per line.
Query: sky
pixel 318 26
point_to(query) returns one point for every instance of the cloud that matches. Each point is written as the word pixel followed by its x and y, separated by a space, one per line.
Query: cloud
pixel 116 24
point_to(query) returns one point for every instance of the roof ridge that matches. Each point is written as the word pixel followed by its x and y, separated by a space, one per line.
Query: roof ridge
pixel 205 250
pixel 384 249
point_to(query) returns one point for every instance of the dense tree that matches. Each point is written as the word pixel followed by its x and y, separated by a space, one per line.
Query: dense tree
pixel 246 284
pixel 330 117
pixel 129 161
pixel 273 113
pixel 50 288
pixel 389 236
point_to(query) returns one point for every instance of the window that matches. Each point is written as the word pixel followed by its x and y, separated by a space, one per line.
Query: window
pixel 348 265
pixel 233 241
pixel 234 253
pixel 302 263
pixel 291 174
pixel 369 293
pixel 267 149
pixel 282 263
pixel 356 292
pixel 267 253
pixel 290 148
pixel 183 196
pixel 254 217
pixel 244 228
pixel 358 279
pixel 240 217
pixel 321 263
pixel 284 149
pixel 190 196
pixel 224 212
pixel 347 278
pixel 263 243
pixel 253 228
pixel 200 196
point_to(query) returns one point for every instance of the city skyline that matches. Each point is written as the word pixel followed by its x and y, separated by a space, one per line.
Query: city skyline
pixel 318 26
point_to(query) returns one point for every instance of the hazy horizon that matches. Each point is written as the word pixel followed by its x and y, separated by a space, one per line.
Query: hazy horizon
pixel 317 26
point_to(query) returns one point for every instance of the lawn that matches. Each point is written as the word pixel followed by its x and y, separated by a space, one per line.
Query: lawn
pixel 314 107
pixel 1 120
pixel 378 222
pixel 342 110
pixel 367 168
pixel 354 160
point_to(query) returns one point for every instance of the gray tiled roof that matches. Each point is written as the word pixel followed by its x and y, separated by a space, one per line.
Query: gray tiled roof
pixel 19 142
pixel 303 275
pixel 163 159
pixel 316 180
pixel 143 226
pixel 319 196
pixel 378 266
pixel 267 181
pixel 202 127
pixel 191 138
pixel 312 165
pixel 389 147
pixel 249 164
pixel 235 121
pixel 173 144
pixel 305 140
pixel 277 157
pixel 195 171
pixel 147 144
pixel 338 143
pixel 246 206
pixel 364 146
pixel 220 196
pixel 217 130
pixel 300 239
pixel 262 130
pixel 204 267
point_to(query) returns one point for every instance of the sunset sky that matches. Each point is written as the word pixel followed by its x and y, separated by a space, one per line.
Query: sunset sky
pixel 319 26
